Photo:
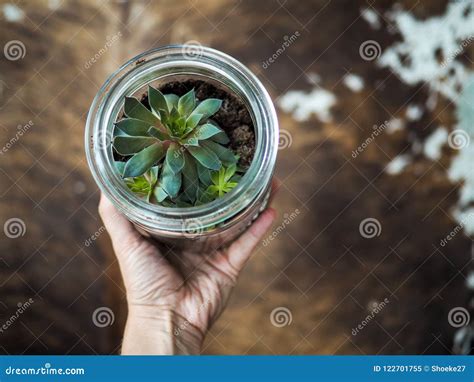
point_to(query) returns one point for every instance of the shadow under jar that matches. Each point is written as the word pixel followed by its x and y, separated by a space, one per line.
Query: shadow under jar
pixel 201 227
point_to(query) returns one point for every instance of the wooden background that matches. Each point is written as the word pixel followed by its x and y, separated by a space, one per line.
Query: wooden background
pixel 319 267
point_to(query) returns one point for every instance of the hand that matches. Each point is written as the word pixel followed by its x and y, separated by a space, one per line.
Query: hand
pixel 174 298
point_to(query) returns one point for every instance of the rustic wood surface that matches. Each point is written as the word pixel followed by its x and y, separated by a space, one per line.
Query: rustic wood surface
pixel 318 267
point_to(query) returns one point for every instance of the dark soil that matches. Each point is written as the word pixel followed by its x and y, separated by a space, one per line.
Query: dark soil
pixel 233 116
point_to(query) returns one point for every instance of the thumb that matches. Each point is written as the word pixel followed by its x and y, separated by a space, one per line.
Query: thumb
pixel 241 249
pixel 122 233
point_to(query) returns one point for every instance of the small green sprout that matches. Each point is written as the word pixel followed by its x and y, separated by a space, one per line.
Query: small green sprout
pixel 220 183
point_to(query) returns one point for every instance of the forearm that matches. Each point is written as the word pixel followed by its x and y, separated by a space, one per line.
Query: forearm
pixel 161 333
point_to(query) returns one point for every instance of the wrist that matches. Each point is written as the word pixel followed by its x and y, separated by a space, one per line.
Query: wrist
pixel 159 330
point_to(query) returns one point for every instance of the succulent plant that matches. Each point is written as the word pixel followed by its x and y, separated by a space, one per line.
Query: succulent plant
pixel 175 153
pixel 222 181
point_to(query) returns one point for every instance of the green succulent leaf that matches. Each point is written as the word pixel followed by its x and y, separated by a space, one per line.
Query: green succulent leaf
pixel 206 157
pixel 157 101
pixel 142 161
pixel 135 109
pixel 204 196
pixel 192 121
pixel 221 184
pixel 229 186
pixel 133 127
pixel 120 166
pixel 126 145
pixel 172 101
pixel 173 122
pixel 190 178
pixel 208 107
pixel 181 126
pixel 152 175
pixel 158 134
pixel 119 133
pixel 221 138
pixel 175 157
pixel 204 174
pixel 187 103
pixel 138 185
pixel 205 131
pixel 226 156
pixel 160 194
pixel 170 181
pixel 214 190
pixel 189 141
pixel 143 185
pixel 229 172
pixel 215 175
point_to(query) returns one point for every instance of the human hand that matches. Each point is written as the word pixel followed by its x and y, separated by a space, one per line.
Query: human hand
pixel 173 300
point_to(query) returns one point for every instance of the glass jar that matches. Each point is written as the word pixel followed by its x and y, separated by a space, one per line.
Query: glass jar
pixel 202 227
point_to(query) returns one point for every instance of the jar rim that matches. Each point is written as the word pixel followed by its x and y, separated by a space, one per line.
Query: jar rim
pixel 140 71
